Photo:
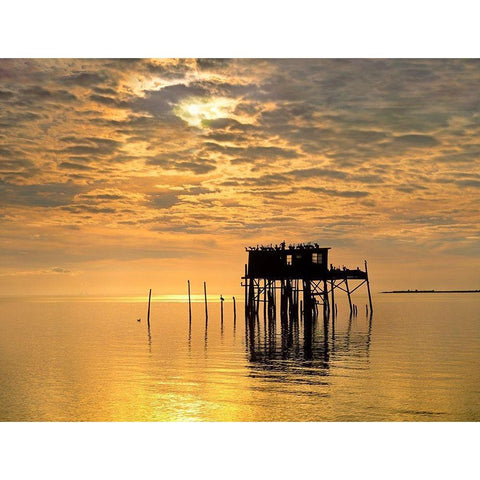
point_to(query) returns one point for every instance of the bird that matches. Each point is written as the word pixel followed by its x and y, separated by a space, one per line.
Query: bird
pixel 139 319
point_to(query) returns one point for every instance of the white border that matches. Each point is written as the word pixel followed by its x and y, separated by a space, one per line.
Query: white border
pixel 251 28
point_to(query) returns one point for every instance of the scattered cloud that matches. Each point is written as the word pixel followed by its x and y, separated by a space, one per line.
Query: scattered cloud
pixel 343 150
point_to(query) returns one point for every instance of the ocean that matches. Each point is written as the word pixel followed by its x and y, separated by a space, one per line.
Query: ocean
pixel 417 358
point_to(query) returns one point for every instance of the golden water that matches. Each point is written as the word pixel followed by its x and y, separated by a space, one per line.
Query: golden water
pixel 417 359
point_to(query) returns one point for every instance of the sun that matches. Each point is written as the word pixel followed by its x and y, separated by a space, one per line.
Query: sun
pixel 195 110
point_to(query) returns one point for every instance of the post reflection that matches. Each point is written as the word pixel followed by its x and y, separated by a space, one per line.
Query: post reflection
pixel 205 341
pixel 149 340
pixel 305 346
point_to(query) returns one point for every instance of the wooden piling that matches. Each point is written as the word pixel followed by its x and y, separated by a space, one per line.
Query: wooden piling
pixel 189 303
pixel 221 309
pixel 234 311
pixel 251 299
pixel 307 301
pixel 368 288
pixel 326 306
pixel 246 287
pixel 295 298
pixel 206 304
pixel 272 269
pixel 332 286
pixel 289 293
pixel 264 298
pixel 148 312
pixel 283 300
pixel 348 294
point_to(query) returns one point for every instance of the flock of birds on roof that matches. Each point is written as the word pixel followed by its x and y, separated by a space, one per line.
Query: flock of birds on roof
pixel 283 246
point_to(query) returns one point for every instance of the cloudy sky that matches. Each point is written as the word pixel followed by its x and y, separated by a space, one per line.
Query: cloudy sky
pixel 121 175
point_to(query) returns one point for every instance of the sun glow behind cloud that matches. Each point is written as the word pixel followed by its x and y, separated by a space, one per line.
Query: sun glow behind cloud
pixel 196 110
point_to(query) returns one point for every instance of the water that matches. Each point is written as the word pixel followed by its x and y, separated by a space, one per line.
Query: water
pixel 418 359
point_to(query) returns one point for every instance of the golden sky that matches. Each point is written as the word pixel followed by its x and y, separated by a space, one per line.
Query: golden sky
pixel 121 175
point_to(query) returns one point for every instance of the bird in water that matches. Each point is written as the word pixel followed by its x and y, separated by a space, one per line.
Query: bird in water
pixel 139 319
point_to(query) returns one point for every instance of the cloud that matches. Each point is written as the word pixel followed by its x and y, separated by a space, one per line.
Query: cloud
pixel 74 166
pixel 81 208
pixel 251 154
pixel 416 141
pixel 100 146
pixel 318 172
pixel 5 94
pixel 103 99
pixel 40 195
pixel 95 147
pixel 161 103
pixel 338 193
pixel 84 79
pixel 59 270
pixel 468 183
pixel 164 199
pixel 183 161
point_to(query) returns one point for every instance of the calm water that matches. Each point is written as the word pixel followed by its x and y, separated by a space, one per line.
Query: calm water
pixel 417 359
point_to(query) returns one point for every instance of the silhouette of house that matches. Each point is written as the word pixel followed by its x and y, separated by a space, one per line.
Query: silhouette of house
pixel 302 261
pixel 293 269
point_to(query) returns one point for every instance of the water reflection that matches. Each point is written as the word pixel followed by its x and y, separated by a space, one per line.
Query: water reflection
pixel 90 362
pixel 304 349
pixel 206 335
pixel 149 339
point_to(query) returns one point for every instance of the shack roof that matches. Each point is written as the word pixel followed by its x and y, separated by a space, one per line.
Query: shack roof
pixel 311 247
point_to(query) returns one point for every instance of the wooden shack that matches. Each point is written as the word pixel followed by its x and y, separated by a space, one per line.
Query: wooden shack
pixel 291 262
pixel 294 269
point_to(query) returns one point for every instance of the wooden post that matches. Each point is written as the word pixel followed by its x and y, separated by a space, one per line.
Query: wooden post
pixel 234 311
pixel 189 303
pixel 307 301
pixel 332 285
pixel 148 312
pixel 289 298
pixel 251 298
pixel 246 288
pixel 348 293
pixel 326 305
pixel 295 299
pixel 368 288
pixel 221 309
pixel 264 298
pixel 206 305
pixel 283 308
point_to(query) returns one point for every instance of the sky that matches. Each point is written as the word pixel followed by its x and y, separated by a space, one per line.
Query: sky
pixel 121 175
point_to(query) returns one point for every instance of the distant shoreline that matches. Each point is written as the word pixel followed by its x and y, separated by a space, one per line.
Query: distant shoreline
pixel 433 291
